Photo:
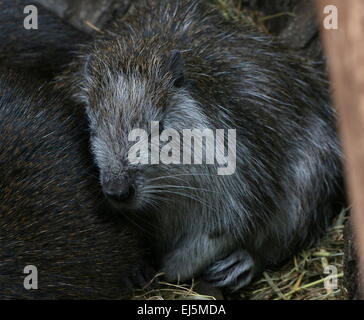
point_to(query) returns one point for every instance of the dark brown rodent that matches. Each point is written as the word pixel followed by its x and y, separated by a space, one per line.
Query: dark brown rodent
pixel 177 63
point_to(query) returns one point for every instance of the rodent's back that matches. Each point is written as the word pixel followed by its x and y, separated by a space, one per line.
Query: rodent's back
pixel 45 50
pixel 50 200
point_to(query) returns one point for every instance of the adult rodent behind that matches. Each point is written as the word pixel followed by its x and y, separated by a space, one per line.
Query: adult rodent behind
pixel 183 65
pixel 45 50
pixel 51 202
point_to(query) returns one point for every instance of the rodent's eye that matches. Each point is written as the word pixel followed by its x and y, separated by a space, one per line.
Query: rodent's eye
pixel 175 66
pixel 179 81
pixel 161 127
pixel 92 134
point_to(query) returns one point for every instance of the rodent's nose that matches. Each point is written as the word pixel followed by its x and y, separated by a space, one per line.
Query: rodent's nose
pixel 118 191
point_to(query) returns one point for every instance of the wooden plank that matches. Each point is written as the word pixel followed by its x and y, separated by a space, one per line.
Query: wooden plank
pixel 345 50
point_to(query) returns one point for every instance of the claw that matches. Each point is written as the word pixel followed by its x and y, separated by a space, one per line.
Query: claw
pixel 233 272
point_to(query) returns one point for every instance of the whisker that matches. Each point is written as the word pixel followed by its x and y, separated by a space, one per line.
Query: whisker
pixel 183 195
pixel 184 187
pixel 182 175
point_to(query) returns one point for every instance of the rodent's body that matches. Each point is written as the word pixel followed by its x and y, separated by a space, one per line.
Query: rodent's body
pixel 51 202
pixel 172 62
pixel 41 51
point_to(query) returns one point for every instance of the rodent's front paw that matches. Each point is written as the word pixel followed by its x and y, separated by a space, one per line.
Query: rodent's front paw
pixel 141 277
pixel 233 272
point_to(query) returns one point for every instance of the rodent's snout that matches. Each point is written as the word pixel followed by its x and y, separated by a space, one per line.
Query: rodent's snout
pixel 119 190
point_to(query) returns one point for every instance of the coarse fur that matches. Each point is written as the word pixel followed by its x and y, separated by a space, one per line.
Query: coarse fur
pixel 45 50
pixel 51 202
pixel 179 63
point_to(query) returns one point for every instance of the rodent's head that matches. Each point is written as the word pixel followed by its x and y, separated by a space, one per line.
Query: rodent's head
pixel 126 89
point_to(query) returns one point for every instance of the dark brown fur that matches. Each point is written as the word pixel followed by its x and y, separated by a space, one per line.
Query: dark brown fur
pixel 50 201
pixel 41 51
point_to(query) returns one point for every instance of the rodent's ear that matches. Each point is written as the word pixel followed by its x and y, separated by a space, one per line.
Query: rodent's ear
pixel 176 67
